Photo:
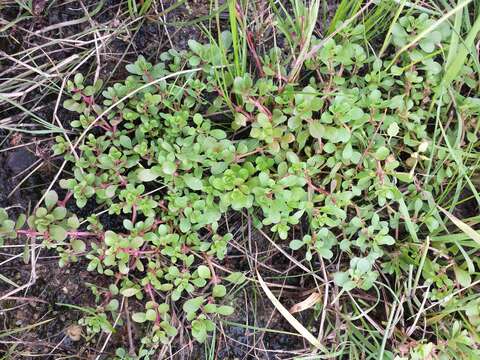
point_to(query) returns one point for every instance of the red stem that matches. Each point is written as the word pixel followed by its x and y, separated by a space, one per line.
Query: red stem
pixel 68 195
pixel 69 233
pixel 314 187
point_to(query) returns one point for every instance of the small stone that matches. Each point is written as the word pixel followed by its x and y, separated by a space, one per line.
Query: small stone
pixel 74 332
pixel 20 160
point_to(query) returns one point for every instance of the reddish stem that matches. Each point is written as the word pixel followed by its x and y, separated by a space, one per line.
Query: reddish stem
pixel 134 213
pixel 215 279
pixel 241 156
pixel 137 253
pixel 105 127
pixel 316 188
pixel 148 289
pixel 260 107
pixel 88 100
pixel 246 114
pixel 63 203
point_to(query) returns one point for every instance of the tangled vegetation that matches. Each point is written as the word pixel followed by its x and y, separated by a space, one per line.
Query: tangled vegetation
pixel 348 159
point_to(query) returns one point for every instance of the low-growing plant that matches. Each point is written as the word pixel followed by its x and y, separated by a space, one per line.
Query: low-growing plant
pixel 347 157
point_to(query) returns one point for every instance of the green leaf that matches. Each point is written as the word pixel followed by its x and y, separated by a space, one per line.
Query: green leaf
pixel 239 121
pixel 163 308
pixel 199 331
pixel 151 315
pixel 192 305
pixel 193 183
pixel 72 105
pixel 386 240
pixel 198 119
pixel 106 162
pixel 129 292
pixel 170 330
pixel 134 69
pixel 225 310
pixel 242 85
pixel 125 141
pixel 7 225
pixel 195 46
pixel 236 278
pixel 218 134
pixel 404 177
pixel 428 43
pixel 219 291
pixel 51 199
pixel 347 152
pixel 240 200
pixel 194 61
pixel 139 317
pixel 316 129
pixel 59 213
pixel 123 268
pixel 113 305
pixel 462 276
pixel 382 153
pixel 146 175
pixel 353 114
pixel 110 238
pixel 20 221
pixel 169 168
pixel 41 212
pixel 210 308
pixel 337 135
pixel 78 245
pixel 73 222
pixel 363 265
pixel 204 272
pixel 325 253
pixel 296 244
pixel 78 79
pixel 226 39
pixel 342 279
pixel 57 232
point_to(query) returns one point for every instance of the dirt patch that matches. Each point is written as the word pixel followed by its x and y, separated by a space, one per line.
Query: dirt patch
pixel 39 311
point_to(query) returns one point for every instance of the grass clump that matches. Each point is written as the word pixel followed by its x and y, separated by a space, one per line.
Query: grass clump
pixel 351 166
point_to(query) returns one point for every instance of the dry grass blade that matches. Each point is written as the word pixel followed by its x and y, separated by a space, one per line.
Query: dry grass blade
pixel 291 258
pixel 292 321
pixel 475 236
pixel 309 302
pixel 25 328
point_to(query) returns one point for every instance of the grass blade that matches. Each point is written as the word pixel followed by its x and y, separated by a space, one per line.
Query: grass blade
pixel 461 54
pixel 292 321
pixel 475 236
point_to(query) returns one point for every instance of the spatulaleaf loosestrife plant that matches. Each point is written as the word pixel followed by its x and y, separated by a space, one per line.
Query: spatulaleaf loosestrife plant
pixel 342 156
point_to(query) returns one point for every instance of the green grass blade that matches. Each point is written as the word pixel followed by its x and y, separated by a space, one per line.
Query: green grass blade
pixel 457 59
